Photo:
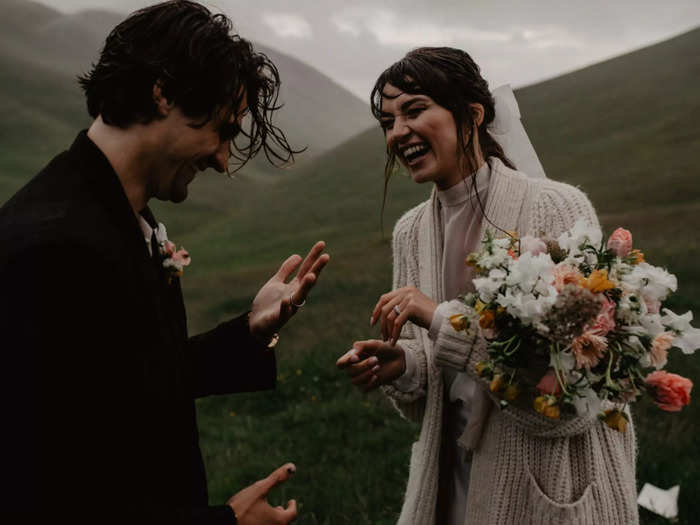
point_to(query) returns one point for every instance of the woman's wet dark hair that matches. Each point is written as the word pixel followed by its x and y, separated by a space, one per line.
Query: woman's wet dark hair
pixel 453 80
pixel 202 67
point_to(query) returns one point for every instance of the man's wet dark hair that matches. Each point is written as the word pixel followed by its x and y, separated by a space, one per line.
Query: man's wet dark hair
pixel 201 66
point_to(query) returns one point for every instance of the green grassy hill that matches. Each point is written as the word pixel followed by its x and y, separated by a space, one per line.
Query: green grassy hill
pixel 625 130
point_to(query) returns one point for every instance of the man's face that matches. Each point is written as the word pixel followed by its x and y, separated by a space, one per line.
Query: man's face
pixel 188 150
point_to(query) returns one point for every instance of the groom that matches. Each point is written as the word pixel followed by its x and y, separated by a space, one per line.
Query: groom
pixel 99 375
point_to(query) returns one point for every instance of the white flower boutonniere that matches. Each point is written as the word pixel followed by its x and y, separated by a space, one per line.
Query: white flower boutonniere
pixel 174 260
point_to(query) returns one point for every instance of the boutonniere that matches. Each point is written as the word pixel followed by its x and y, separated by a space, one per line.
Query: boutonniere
pixel 174 260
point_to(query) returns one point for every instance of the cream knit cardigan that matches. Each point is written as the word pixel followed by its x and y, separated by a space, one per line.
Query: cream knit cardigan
pixel 526 469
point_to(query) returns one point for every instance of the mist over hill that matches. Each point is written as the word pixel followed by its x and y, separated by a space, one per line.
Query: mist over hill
pixel 42 51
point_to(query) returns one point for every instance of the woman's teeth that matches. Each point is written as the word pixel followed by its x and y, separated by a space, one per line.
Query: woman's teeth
pixel 414 152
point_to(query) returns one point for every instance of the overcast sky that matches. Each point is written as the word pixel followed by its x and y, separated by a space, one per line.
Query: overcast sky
pixel 516 42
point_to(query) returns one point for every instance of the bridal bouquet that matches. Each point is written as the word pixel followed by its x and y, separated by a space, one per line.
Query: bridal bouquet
pixel 575 325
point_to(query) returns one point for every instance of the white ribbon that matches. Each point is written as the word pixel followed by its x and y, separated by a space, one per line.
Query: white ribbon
pixel 508 131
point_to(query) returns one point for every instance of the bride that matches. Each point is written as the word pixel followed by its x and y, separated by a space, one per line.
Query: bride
pixel 474 463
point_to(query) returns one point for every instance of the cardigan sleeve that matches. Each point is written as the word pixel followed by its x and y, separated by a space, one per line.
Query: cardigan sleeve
pixel 555 209
pixel 411 403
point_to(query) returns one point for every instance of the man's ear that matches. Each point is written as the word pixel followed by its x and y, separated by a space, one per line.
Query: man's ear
pixel 162 103
pixel 477 113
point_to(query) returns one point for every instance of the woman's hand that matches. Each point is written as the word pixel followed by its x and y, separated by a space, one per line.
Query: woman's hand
pixel 373 363
pixel 395 308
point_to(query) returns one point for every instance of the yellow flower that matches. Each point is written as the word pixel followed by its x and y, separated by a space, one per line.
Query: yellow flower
pixel 459 322
pixel 481 368
pixel 598 281
pixel 615 419
pixel 540 404
pixel 512 392
pixel 472 259
pixel 547 406
pixel 479 306
pixel 552 412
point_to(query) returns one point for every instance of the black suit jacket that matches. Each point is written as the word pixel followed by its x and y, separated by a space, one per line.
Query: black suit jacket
pixel 99 375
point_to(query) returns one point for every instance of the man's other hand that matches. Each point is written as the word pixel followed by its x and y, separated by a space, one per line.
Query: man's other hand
pixel 278 300
pixel 251 507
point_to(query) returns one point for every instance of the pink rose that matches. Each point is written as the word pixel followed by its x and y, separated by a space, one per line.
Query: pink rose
pixel 670 391
pixel 620 242
pixel 605 322
pixel 549 384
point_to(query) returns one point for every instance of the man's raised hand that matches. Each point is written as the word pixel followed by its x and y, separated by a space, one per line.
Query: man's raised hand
pixel 278 300
pixel 250 504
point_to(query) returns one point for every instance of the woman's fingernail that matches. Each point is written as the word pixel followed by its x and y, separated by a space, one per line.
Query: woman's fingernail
pixel 375 369
pixel 372 360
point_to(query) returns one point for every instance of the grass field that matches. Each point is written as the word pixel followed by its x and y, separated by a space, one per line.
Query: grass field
pixel 625 130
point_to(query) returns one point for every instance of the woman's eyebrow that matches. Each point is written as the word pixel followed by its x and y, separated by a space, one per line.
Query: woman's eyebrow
pixel 410 102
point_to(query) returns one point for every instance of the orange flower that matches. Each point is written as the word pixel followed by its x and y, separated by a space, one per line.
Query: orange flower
pixel 636 256
pixel 487 319
pixel 547 406
pixel 615 419
pixel 497 383
pixel 598 281
pixel 459 322
pixel 670 391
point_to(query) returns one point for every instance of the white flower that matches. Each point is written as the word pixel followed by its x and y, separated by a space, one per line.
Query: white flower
pixel 630 309
pixel 526 306
pixel 528 270
pixel 652 282
pixel 652 324
pixel 488 286
pixel 161 234
pixel 532 245
pixel 687 338
pixel 581 233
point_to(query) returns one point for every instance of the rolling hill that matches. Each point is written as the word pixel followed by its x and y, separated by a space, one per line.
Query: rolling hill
pixel 42 51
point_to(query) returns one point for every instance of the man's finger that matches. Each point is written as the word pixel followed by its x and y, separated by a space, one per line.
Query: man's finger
pixel 288 267
pixel 311 258
pixel 320 264
pixel 278 476
pixel 289 514
pixel 299 296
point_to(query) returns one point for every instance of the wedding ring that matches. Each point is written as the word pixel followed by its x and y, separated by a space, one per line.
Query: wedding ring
pixel 295 305
pixel 396 309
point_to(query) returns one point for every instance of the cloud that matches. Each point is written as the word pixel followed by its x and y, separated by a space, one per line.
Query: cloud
pixel 390 29
pixel 288 25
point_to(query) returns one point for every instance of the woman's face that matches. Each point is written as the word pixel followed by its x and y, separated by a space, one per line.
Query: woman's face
pixel 422 135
